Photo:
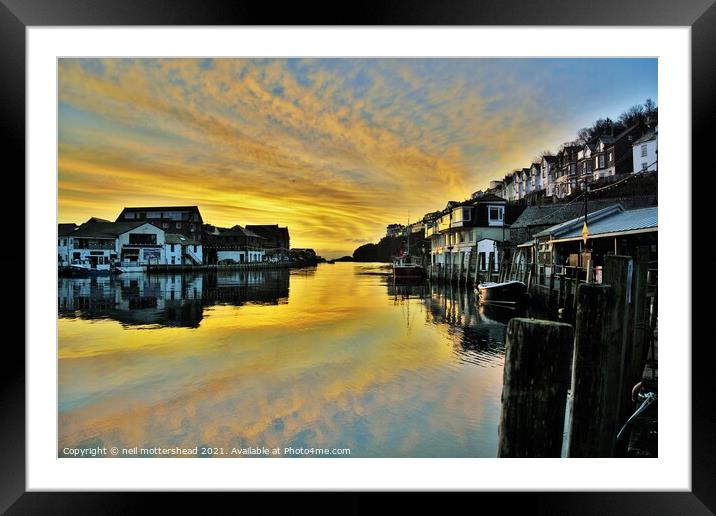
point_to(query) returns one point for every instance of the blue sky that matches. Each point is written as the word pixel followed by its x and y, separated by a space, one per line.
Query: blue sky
pixel 334 148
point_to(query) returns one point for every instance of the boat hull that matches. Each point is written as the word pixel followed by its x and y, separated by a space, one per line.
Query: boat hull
pixel 510 293
pixel 81 272
pixel 408 272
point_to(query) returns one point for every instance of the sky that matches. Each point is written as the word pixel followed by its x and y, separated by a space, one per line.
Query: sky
pixel 335 149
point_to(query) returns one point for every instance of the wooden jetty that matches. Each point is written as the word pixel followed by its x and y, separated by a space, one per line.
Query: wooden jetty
pixel 611 356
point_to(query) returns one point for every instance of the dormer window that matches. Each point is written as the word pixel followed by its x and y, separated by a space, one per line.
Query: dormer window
pixel 496 215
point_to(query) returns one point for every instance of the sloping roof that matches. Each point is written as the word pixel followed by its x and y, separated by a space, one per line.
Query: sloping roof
pixel 577 222
pixel 650 135
pixel 105 229
pixel 619 221
pixel 488 197
pixel 173 238
pixel 552 214
pixel 134 209
pixel 549 159
pixel 93 220
pixel 239 231
pixel 66 229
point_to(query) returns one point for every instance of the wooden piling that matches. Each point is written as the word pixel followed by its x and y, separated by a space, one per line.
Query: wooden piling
pixel 640 316
pixel 460 271
pixel 534 390
pixel 618 273
pixel 595 386
pixel 490 266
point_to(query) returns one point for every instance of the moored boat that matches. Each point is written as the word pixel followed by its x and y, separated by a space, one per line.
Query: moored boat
pixel 509 293
pixel 83 268
pixel 403 267
pixel 408 271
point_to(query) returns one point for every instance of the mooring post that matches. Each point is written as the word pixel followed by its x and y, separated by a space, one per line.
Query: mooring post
pixel 490 266
pixel 618 272
pixel 639 315
pixel 595 386
pixel 534 389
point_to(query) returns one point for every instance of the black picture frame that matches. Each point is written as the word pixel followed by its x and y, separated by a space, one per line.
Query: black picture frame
pixel 16 15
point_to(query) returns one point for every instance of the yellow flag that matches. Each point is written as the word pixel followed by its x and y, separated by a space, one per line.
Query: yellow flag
pixel 585 233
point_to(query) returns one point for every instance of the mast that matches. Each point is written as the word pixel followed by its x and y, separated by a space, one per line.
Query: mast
pixel 407 228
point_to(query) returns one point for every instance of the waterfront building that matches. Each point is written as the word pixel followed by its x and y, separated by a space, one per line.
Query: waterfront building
pixel 108 243
pixel 612 230
pixel 183 220
pixel 277 240
pixel 63 243
pixel 181 250
pixel 645 151
pixel 457 233
pixel 231 245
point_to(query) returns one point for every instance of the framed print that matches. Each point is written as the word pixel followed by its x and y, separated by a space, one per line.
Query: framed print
pixel 419 252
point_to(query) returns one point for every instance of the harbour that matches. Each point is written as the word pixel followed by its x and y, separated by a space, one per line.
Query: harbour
pixel 331 356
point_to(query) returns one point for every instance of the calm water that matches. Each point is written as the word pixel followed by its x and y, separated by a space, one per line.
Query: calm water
pixel 329 357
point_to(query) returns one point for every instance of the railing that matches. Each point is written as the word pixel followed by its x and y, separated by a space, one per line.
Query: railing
pixel 96 246
pixel 193 256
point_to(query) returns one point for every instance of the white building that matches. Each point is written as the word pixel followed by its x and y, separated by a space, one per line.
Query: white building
pixel 63 243
pixel 102 244
pixel 547 169
pixel 645 152
pixel 535 175
pixel 181 250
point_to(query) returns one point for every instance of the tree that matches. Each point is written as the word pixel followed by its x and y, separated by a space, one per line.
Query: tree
pixel 651 112
pixel 633 115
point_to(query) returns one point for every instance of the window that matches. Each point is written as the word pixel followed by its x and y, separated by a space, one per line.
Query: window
pixel 142 239
pixel 496 215
pixel 466 213
pixel 611 159
pixel 643 150
pixel 172 249
pixel 644 165
pixel 481 257
pixel 178 225
pixel 165 224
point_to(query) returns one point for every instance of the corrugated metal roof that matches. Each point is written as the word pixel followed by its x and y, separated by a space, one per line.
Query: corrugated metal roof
pixel 618 222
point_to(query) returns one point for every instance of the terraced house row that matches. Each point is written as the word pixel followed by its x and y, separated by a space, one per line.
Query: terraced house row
pixel 608 158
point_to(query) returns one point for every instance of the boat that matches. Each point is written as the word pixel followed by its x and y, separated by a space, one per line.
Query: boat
pixel 507 293
pixel 84 268
pixel 403 270
pixel 403 267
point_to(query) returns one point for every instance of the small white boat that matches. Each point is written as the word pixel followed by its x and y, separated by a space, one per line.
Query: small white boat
pixel 88 268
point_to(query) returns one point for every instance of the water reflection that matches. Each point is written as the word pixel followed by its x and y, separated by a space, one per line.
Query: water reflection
pixel 231 360
pixel 167 299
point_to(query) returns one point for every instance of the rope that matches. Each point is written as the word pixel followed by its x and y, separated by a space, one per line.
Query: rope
pixel 649 398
